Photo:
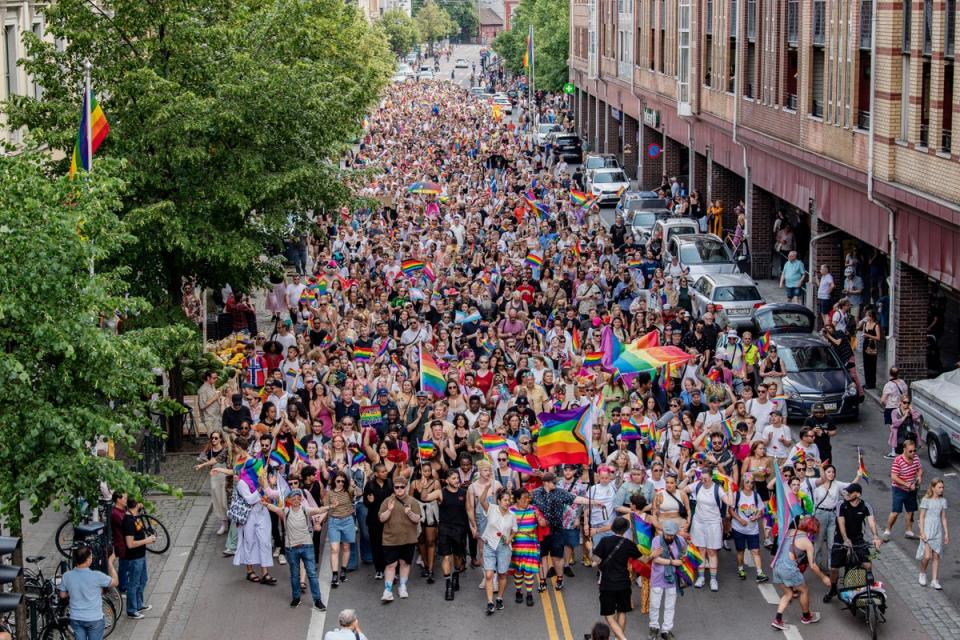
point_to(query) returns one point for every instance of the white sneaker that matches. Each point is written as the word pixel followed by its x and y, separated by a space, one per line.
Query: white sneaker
pixel 936 585
pixel 699 583
pixel 885 535
pixel 923 580
pixel 282 560
pixel 910 534
pixel 387 596
pixel 403 591
pixel 276 553
pixel 222 530
pixel 713 585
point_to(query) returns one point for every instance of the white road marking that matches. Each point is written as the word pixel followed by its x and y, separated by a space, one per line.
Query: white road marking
pixel 769 593
pixel 792 633
pixel 319 618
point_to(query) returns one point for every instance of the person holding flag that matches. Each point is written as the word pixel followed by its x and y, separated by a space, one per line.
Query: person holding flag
pixel 666 553
pixel 794 555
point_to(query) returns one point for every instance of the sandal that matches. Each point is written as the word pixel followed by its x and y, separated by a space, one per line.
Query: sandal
pixel 252 577
pixel 268 580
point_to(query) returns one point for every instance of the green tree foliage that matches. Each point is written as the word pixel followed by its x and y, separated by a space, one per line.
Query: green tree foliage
pixel 551 40
pixel 401 31
pixel 230 115
pixel 67 380
pixel 434 22
pixel 465 15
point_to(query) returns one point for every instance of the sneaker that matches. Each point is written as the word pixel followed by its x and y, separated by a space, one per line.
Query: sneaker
pixel 136 616
pixel 910 534
pixel 295 603
pixel 276 553
pixel 558 585
pixel 403 592
pixel 726 545
pixel 814 616
pixel 334 583
pixel 343 575
pixel 229 552
pixel 779 624
pixel 529 599
pixel 145 607
pixel 483 583
pixel 713 585
pixel 282 560
pixel 653 633
pixel 519 597
pixel 424 572
pixel 222 530
pixel 699 583
pixel 762 577
pixel 741 573
pixel 499 604
pixel 387 595
pixel 490 608
pixel 319 606
pixel 936 585
pixel 885 535
pixel 542 586
pixel 567 571
pixel 668 635
pixel 890 456
pixel 923 580
pixel 430 578
pixel 378 575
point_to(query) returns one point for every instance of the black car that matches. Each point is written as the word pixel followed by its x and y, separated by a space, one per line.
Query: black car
pixel 568 147
pixel 782 317
pixel 815 374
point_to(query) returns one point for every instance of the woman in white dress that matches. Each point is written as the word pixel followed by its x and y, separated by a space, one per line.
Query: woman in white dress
pixel 253 539
pixel 706 529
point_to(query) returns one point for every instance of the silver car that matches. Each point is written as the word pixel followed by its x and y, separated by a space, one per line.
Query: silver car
pixel 700 254
pixel 734 294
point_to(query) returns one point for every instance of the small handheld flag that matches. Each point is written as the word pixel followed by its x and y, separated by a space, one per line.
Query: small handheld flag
pixel 642 534
pixel 861 467
pixel 426 449
pixel 515 459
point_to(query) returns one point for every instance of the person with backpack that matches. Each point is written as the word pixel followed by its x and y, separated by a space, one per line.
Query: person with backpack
pixel 746 511
pixel 666 553
pixel 613 554
pixel 298 528
pixel 706 528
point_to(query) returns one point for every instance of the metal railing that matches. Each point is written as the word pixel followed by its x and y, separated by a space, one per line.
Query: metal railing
pixel 863 120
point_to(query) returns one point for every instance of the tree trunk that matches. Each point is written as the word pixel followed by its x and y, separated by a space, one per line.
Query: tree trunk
pixel 16 530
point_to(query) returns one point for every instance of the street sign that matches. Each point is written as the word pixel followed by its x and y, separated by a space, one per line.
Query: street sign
pixel 654 150
pixel 569 88
pixel 651 117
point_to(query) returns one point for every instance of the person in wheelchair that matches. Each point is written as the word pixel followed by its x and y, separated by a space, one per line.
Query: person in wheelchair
pixel 852 514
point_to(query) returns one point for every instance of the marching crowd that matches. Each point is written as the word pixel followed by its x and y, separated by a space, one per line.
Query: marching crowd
pixel 436 341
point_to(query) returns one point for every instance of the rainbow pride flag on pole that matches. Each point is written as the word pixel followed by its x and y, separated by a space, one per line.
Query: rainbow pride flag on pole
pixel 593 359
pixel 515 459
pixel 425 449
pixel 564 435
pixel 534 260
pixel 492 443
pixel 861 467
pixel 528 52
pixel 431 378
pixel 628 431
pixel 578 197
pixel 411 266
pixel 281 455
pixel 93 129
pixel 690 566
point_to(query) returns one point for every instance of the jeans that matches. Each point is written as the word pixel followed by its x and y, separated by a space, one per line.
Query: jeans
pixel 366 548
pixel 87 630
pixel 123 569
pixel 136 582
pixel 667 597
pixel 294 556
pixel 828 524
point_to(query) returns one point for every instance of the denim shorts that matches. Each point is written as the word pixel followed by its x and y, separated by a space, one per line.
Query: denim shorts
pixel 342 530
pixel 904 501
pixel 570 537
pixel 794 292
pixel 498 559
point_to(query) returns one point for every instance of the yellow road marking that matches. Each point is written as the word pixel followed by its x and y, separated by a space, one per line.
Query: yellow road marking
pixel 562 613
pixel 548 615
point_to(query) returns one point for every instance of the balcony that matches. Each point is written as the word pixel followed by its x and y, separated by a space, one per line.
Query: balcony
pixel 863 120
pixel 946 141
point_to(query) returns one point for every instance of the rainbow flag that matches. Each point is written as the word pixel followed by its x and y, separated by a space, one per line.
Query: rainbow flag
pixel 642 534
pixel 628 361
pixel 534 260
pixel 281 455
pixel 690 566
pixel 799 456
pixel 515 459
pixel 99 128
pixel 528 51
pixel 578 197
pixel 577 251
pixel 425 449
pixel 861 467
pixel 492 443
pixel 593 359
pixel 370 414
pixel 763 344
pixel 431 378
pixel 647 431
pixel 714 375
pixel 728 484
pixel 488 346
pixel 564 435
pixel 358 455
pixel 628 431
pixel 249 470
pixel 300 452
pixel 728 426
pixel 665 378
pixel 383 347
pixel 321 287
pixel 788 506
pixel 428 272
pixel 575 340
pixel 634 263
pixel 308 296
pixel 362 354
pixel 411 266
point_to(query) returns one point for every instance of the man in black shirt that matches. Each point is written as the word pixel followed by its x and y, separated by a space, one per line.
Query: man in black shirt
pixel 236 413
pixel 851 514
pixel 823 429
pixel 696 406
pixel 452 530
pixel 136 539
pixel 378 489
pixel 614 552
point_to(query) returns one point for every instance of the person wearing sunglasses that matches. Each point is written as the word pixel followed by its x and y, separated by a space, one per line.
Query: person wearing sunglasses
pixel 342 531
pixel 215 454
pixel 400 515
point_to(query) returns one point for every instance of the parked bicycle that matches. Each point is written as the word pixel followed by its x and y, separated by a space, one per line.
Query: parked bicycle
pixel 48 613
pixel 97 533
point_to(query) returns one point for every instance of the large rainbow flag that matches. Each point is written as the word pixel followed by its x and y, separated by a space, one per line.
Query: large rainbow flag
pixel 84 148
pixel 431 378
pixel 564 435
pixel 629 360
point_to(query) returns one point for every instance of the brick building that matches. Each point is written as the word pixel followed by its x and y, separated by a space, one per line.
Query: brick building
pixel 836 114
pixel 490 25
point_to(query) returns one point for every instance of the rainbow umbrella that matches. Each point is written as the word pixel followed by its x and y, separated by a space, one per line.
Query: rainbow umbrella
pixel 426 188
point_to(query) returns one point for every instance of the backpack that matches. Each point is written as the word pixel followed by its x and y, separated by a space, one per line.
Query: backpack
pixel 716 496
pixel 756 501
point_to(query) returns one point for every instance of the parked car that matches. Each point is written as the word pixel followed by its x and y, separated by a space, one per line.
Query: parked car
pixel 636 200
pixel 411 58
pixel 567 146
pixel 607 185
pixel 600 161
pixel 700 254
pixel 782 317
pixel 544 129
pixel 642 222
pixel 736 294
pixel 673 226
pixel 504 103
pixel 938 401
pixel 815 374
pixel 476 91
pixel 461 64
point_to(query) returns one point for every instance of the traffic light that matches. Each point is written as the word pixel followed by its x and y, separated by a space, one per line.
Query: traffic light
pixel 9 573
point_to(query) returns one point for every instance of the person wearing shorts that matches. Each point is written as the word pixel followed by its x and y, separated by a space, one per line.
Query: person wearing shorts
pixel 497 537
pixel 613 554
pixel 746 511
pixel 452 530
pixel 400 514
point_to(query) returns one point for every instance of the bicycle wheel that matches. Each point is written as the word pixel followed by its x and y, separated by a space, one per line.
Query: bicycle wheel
pixel 113 594
pixel 57 631
pixel 156 528
pixel 64 538
pixel 872 620
pixel 109 615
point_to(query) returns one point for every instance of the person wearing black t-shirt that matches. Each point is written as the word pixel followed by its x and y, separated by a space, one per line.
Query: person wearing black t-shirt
pixel 378 488
pixel 614 553
pixel 852 513
pixel 236 413
pixel 452 530
pixel 823 429
pixel 136 539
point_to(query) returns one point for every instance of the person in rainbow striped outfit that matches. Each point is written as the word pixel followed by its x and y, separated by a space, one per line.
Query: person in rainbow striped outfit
pixel 525 561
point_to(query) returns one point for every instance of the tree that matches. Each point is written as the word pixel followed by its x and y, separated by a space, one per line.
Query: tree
pixel 401 31
pixel 231 116
pixel 551 40
pixel 465 15
pixel 67 381
pixel 434 22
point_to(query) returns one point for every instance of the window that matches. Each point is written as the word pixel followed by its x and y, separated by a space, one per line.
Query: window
pixel 905 98
pixel 732 21
pixel 790 81
pixel 10 58
pixel 793 21
pixel 708 61
pixel 907 25
pixel 927 27
pixel 864 63
pixel 951 28
pixel 731 65
pixel 945 133
pixel 750 71
pixel 708 19
pixel 866 23
pixel 816 82
pixel 819 21
pixel 925 103
pixel 683 58
pixel 751 20
pixel 663 37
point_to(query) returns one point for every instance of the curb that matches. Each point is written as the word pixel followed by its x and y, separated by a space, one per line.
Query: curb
pixel 166 585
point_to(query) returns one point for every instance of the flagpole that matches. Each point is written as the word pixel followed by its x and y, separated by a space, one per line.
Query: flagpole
pixel 87 100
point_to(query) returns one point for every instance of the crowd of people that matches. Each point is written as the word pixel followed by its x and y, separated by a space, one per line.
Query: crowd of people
pixel 475 255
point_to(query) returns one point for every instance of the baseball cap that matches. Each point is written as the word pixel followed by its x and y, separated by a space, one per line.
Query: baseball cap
pixel 671 527
pixel 423 394
pixel 382 392
pixel 819 407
